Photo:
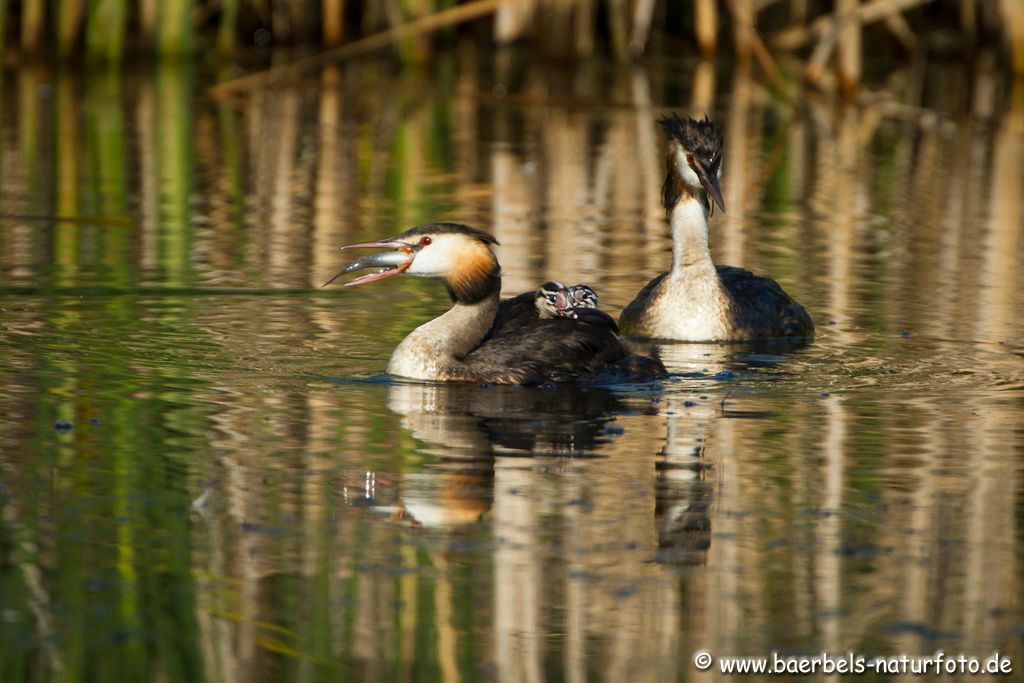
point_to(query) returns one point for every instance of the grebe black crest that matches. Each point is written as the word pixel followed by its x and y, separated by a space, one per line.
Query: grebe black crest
pixel 548 335
pixel 697 300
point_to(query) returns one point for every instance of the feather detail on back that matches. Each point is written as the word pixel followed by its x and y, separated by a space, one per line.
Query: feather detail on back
pixel 762 307
pixel 583 346
pixel 559 350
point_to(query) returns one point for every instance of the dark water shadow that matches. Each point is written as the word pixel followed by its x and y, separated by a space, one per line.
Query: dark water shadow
pixel 460 420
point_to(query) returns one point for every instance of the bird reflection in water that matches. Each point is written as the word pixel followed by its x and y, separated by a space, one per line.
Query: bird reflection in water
pixel 683 492
pixel 465 430
pixel 462 428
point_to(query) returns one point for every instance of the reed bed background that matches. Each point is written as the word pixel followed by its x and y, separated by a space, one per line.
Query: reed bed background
pixel 823 33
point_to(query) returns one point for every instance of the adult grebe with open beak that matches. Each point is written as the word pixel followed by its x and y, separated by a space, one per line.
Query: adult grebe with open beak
pixel 472 342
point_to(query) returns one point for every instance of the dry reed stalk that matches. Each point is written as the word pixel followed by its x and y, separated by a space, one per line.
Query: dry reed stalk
pixel 969 20
pixel 512 19
pixel 105 33
pixel 796 37
pixel 744 18
pixel 901 31
pixel 584 28
pixel 643 17
pixel 702 97
pixel 415 49
pixel 33 14
pixel 443 19
pixel 761 53
pixel 286 245
pixel 69 24
pixel 333 21
pixel 68 164
pixel 226 30
pixel 175 27
pixel 706 25
pixel 1013 19
pixel 849 46
pixel 815 68
pixel 645 146
pixel 798 11
pixel 513 215
pixel 1004 236
pixel 743 165
pixel 618 19
pixel 149 15
pixel 984 85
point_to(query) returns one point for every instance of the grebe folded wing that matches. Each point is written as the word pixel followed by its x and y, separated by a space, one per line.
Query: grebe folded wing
pixel 551 349
pixel 764 305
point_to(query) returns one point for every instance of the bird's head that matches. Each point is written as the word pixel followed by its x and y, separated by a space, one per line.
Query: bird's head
pixel 459 255
pixel 555 300
pixel 694 160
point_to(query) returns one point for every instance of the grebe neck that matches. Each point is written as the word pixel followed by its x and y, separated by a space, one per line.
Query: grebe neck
pixel 689 222
pixel 435 350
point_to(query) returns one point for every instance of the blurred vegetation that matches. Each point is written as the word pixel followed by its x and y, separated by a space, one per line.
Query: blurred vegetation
pixel 108 29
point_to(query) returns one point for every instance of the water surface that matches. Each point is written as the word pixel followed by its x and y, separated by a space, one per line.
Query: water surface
pixel 205 474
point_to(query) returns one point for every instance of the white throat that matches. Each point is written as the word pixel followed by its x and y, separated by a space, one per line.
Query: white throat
pixel 433 350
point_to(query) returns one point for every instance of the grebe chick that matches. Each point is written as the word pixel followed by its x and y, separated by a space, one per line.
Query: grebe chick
pixel 554 299
pixel 456 346
pixel 696 300
pixel 551 300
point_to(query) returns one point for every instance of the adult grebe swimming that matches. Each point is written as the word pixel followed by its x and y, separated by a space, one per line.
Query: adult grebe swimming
pixel 465 344
pixel 697 301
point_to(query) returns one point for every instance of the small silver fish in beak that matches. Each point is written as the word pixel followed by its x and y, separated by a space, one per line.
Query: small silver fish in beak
pixel 393 262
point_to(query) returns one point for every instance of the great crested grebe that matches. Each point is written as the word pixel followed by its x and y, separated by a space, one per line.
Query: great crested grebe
pixel 461 345
pixel 696 300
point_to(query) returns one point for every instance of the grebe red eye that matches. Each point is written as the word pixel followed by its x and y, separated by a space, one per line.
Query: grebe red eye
pixel 425 240
pixel 689 159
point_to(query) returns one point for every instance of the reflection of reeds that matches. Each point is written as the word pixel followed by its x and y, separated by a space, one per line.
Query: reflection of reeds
pixel 33 14
pixel 1013 22
pixel 106 34
pixel 845 208
pixel 174 27
pixel 69 24
pixel 173 156
pixel 706 25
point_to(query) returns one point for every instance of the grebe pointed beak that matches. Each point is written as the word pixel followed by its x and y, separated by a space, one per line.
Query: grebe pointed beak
pixel 709 181
pixel 393 262
pixel 382 244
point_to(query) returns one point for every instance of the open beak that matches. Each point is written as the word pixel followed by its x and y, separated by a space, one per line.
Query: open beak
pixel 710 183
pixel 392 262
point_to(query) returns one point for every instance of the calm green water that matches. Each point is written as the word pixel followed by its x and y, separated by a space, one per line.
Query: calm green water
pixel 205 474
